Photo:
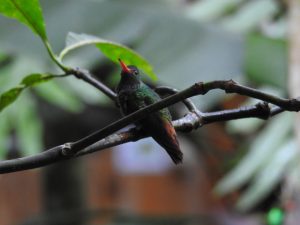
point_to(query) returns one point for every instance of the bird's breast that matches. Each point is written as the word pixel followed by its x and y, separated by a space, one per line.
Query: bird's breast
pixel 130 101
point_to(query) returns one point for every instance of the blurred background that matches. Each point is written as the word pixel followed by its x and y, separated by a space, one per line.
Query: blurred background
pixel 235 173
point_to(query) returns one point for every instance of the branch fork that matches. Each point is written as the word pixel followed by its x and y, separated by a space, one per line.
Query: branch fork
pixel 107 137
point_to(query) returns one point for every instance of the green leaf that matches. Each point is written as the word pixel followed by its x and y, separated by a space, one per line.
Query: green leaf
pixel 110 49
pixel 10 96
pixel 36 78
pixel 26 11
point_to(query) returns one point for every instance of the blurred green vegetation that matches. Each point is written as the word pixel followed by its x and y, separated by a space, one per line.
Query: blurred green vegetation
pixel 271 149
pixel 185 43
pixel 266 60
pixel 177 48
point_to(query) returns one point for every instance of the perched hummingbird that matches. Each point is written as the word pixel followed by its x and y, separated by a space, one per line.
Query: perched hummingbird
pixel 134 94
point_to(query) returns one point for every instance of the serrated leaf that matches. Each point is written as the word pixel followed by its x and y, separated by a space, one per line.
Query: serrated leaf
pixel 36 78
pixel 26 11
pixel 110 49
pixel 10 96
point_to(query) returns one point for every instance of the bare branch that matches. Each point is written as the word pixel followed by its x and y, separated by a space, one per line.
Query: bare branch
pixel 113 140
pixel 41 159
pixel 191 121
pixel 261 110
pixel 98 135
pixel 196 89
pixel 276 110
pixel 231 86
pixel 170 91
pixel 87 77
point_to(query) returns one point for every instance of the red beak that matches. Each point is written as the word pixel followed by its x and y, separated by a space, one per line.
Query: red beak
pixel 124 67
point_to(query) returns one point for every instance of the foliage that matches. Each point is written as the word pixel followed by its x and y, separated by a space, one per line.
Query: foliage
pixel 155 27
pixel 112 50
pixel 12 94
pixel 27 12
pixel 177 47
pixel 271 155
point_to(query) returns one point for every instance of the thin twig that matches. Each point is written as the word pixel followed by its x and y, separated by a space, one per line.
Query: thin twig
pixel 170 91
pixel 80 74
pixel 276 110
pixel 261 110
pixel 87 77
pixel 231 86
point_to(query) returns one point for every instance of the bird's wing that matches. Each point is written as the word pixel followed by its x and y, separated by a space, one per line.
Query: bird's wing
pixel 159 126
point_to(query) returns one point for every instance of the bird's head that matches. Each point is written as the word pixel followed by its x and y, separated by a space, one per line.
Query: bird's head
pixel 129 72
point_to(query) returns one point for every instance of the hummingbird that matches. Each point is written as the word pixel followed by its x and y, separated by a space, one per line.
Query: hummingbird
pixel 133 94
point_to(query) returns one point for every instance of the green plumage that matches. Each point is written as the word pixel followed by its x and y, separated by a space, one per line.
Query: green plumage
pixel 132 99
pixel 133 95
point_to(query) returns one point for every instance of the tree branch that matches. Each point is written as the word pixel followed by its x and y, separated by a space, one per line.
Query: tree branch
pixel 192 120
pixel 162 90
pixel 87 77
pixel 188 123
pixel 261 110
pixel 231 86
pixel 196 89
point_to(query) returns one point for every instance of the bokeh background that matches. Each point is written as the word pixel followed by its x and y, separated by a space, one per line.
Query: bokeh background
pixel 236 173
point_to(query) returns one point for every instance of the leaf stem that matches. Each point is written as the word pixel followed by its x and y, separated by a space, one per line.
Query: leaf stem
pixel 55 59
pixel 80 74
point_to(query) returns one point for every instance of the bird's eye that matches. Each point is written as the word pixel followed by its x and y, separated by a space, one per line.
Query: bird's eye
pixel 135 72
